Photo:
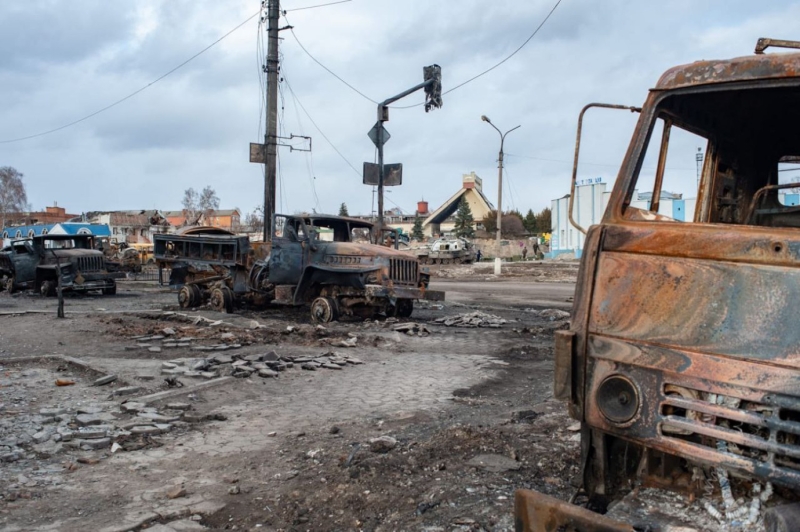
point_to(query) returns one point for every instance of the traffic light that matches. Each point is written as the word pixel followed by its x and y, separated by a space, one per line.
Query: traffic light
pixel 433 92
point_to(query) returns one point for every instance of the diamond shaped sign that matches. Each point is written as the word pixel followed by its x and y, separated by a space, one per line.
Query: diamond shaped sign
pixel 378 134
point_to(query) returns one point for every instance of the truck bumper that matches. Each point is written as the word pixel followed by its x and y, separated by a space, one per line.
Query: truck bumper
pixel 537 512
pixel 402 292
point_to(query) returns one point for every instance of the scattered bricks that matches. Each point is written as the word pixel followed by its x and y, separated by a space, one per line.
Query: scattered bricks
pixel 89 410
pixel 252 358
pixel 266 373
pixel 65 433
pixel 179 406
pixel 42 436
pixel 200 365
pixel 168 331
pixel 89 445
pixel 227 336
pixel 331 366
pixel 169 345
pixel 209 374
pixel 10 457
pixel 146 429
pixel 193 418
pixel 554 314
pixel 175 492
pixel 310 366
pixel 183 344
pixel 383 444
pixel 127 390
pixel 168 365
pixel 52 411
pixel 92 433
pixel 132 406
pixel 240 374
pixel 354 361
pixel 164 427
pixel 473 320
pixel 108 379
pixel 176 371
pixel 158 417
pixel 222 359
pixel 157 337
pixel 302 359
pixel 154 349
pixel 239 363
pixel 270 357
pixel 85 420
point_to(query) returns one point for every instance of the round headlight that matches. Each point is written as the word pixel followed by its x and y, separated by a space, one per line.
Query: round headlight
pixel 618 399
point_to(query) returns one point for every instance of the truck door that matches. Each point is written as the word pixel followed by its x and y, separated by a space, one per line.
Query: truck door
pixel 25 259
pixel 289 250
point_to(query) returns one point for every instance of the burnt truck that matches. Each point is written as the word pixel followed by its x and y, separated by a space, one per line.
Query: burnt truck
pixel 37 262
pixel 682 360
pixel 328 262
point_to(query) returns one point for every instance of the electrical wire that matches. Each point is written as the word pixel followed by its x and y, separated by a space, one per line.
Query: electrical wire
pixel 331 72
pixel 131 95
pixel 289 86
pixel 595 164
pixel 320 5
pixel 473 78
pixel 511 188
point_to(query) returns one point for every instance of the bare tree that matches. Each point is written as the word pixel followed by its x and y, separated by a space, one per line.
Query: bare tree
pixel 254 221
pixel 13 199
pixel 208 203
pixel 191 209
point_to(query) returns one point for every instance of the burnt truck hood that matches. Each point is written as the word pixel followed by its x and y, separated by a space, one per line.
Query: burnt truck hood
pixel 365 250
pixel 72 253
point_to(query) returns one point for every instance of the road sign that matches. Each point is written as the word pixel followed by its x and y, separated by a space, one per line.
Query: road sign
pixel 378 134
pixel 258 153
pixel 392 174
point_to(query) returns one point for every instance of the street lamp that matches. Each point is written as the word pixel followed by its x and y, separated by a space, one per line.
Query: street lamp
pixel 499 188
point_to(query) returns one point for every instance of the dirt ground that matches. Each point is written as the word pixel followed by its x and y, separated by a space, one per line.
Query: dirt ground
pixel 270 422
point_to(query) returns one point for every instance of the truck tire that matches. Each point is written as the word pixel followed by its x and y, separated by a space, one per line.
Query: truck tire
pixel 405 307
pixel 190 296
pixel 47 288
pixel 222 299
pixel 324 310
pixel 110 290
pixel 10 285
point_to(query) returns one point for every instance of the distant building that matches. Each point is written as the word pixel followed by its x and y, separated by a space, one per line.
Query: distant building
pixel 591 199
pixel 66 228
pixel 442 220
pixel 50 215
pixel 229 219
pixel 133 226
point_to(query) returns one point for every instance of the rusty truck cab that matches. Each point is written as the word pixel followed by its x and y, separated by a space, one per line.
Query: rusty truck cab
pixel 684 348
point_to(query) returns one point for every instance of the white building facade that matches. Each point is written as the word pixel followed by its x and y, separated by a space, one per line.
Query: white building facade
pixel 591 200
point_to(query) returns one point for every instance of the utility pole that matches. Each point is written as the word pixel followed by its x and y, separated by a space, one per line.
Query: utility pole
pixel 499 188
pixel 271 133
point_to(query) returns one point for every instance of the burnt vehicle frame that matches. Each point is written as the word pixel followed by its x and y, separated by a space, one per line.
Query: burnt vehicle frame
pixel 681 353
pixel 336 277
pixel 43 262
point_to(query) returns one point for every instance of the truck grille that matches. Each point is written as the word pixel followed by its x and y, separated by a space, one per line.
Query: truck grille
pixel 765 432
pixel 403 271
pixel 90 264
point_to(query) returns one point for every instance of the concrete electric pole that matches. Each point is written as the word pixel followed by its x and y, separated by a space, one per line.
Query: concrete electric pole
pixel 485 118
pixel 271 133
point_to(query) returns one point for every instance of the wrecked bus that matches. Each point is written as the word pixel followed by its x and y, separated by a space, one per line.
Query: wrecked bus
pixel 682 361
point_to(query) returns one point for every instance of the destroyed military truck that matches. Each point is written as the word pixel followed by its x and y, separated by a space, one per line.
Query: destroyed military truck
pixel 314 259
pixel 451 251
pixel 37 261
pixel 682 360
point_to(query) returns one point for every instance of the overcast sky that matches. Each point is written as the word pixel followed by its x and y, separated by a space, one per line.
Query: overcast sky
pixel 62 60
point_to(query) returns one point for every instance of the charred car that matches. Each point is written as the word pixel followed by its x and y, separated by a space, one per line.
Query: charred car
pixel 325 261
pixel 682 361
pixel 37 263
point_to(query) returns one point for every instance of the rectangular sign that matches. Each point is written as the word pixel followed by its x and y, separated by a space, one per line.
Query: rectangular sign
pixel 258 153
pixel 392 174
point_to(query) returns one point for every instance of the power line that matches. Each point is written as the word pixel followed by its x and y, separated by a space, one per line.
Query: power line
pixel 131 95
pixel 331 72
pixel 320 5
pixel 521 46
pixel 592 164
pixel 289 86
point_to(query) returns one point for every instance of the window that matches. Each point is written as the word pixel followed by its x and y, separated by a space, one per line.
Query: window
pixel 663 195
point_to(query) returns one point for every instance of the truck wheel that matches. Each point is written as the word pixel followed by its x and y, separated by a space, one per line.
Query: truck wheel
pixel 189 296
pixel 10 285
pixel 110 290
pixel 47 288
pixel 222 300
pixel 324 310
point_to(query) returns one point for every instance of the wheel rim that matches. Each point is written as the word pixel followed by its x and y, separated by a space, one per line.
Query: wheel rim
pixel 218 300
pixel 185 297
pixel 322 310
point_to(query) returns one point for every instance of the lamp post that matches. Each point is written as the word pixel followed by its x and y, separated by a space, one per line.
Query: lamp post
pixel 499 188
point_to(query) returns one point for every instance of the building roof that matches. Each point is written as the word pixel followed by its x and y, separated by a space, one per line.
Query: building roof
pixel 450 206
pixel 67 228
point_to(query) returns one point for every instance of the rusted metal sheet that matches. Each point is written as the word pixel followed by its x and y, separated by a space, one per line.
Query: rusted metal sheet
pixel 537 512
pixel 747 68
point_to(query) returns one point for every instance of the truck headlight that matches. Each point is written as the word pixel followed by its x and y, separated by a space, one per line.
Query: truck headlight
pixel 618 399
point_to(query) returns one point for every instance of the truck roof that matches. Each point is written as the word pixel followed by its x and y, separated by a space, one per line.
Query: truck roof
pixel 747 68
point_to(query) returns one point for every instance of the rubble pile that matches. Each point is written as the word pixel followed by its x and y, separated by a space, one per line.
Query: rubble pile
pixel 266 365
pixel 473 320
pixel 412 329
pixel 552 314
